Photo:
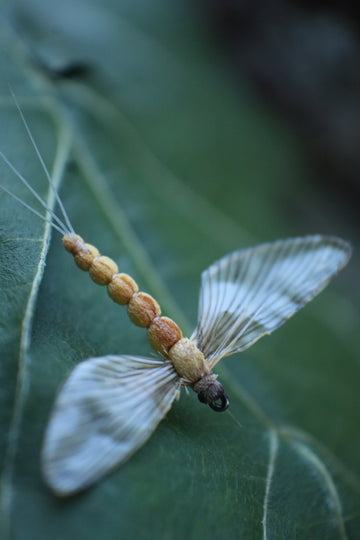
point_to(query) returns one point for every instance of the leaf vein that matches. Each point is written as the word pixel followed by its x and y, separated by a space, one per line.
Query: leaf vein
pixel 23 383
pixel 335 503
pixel 273 452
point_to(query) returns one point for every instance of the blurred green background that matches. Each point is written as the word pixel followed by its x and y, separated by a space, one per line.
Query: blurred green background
pixel 180 132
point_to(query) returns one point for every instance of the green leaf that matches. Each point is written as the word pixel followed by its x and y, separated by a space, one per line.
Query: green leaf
pixel 165 166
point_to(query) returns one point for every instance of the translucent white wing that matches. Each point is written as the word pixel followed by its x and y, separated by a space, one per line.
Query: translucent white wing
pixel 251 292
pixel 106 410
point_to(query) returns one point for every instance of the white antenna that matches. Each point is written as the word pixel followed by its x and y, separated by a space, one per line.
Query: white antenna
pixel 63 211
pixel 62 227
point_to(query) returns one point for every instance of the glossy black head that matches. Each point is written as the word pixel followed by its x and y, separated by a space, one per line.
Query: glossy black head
pixel 220 404
pixel 211 392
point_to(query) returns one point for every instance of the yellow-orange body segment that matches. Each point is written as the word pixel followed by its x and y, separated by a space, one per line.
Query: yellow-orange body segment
pixel 162 334
pixel 121 288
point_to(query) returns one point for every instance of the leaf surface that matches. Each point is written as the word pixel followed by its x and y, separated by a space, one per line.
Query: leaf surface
pixel 165 167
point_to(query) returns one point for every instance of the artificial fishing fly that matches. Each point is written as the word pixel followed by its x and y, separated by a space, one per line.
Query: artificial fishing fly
pixel 109 406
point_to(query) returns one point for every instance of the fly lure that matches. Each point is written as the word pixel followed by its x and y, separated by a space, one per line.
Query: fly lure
pixel 109 406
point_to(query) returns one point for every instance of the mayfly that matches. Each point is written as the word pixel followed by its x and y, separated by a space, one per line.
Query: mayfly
pixel 109 406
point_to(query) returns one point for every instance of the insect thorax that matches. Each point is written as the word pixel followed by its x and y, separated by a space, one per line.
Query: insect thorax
pixel 188 361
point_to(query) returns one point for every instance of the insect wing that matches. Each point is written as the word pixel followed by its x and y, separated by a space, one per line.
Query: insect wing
pixel 251 292
pixel 106 410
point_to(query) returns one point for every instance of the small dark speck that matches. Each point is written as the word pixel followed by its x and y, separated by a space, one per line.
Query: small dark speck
pixel 71 70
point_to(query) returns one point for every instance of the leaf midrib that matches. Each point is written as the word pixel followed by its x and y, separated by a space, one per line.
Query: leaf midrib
pixel 23 383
